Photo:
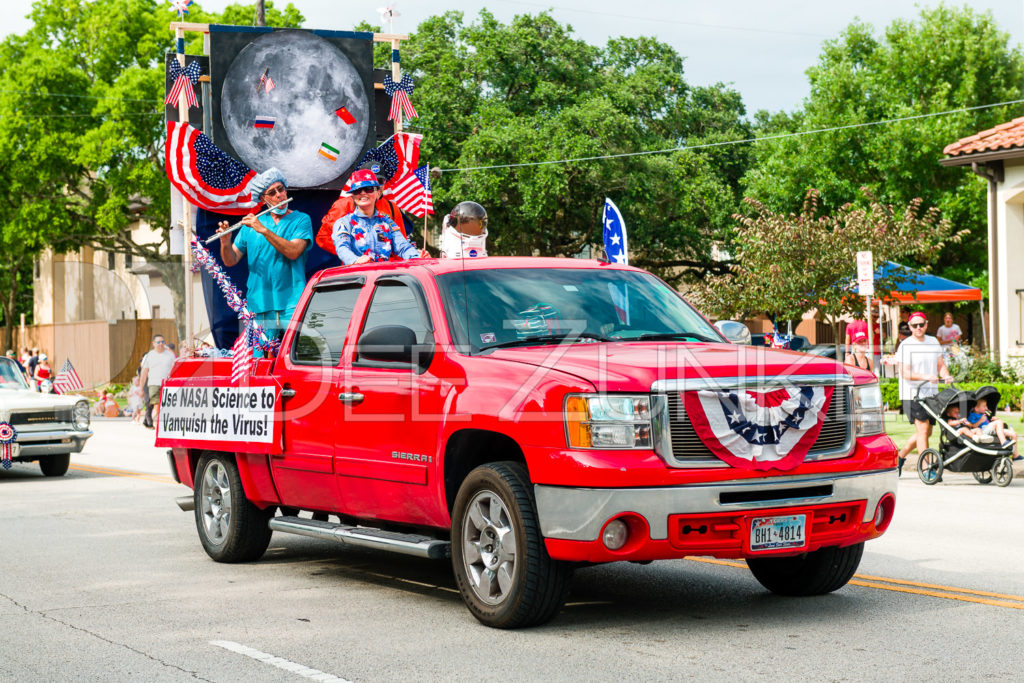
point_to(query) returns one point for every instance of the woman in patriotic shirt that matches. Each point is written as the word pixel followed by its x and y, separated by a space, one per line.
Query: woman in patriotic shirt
pixel 365 234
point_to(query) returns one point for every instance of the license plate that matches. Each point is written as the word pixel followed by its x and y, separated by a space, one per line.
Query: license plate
pixel 773 533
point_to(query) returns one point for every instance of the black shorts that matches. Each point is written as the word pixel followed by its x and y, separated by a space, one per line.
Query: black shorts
pixel 914 411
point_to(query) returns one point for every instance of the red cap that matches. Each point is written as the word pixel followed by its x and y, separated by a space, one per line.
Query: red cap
pixel 917 314
pixel 362 179
pixel 858 337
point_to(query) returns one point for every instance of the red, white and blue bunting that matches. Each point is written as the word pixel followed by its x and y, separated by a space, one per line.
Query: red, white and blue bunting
pixel 8 436
pixel 253 331
pixel 759 429
pixel 184 79
pixel 399 93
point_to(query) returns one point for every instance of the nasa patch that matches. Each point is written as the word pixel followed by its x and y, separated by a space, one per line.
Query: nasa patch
pixel 472 253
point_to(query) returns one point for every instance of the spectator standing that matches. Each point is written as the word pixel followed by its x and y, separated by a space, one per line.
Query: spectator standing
pixel 949 333
pixel 156 366
pixel 30 368
pixel 43 374
pixel 921 367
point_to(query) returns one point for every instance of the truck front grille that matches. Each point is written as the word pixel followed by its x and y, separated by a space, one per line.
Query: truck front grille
pixel 49 416
pixel 688 449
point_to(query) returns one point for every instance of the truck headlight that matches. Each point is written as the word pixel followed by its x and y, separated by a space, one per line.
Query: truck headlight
pixel 867 410
pixel 608 421
pixel 80 416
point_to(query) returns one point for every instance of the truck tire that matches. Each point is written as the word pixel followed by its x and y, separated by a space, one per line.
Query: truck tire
pixel 55 465
pixel 230 527
pixel 504 572
pixel 815 573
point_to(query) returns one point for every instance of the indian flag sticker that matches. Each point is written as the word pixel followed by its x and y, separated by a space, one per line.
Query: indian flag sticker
pixel 264 122
pixel 328 152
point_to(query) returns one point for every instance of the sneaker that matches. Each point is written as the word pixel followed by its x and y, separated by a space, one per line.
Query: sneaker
pixel 1019 457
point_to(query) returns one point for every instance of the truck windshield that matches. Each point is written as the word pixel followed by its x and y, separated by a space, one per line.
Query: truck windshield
pixel 10 376
pixel 529 306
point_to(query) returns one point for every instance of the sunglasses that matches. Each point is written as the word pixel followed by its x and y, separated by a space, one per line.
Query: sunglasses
pixel 161 341
pixel 364 190
pixel 917 325
pixel 276 190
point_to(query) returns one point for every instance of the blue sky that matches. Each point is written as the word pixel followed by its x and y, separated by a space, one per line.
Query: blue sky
pixel 761 48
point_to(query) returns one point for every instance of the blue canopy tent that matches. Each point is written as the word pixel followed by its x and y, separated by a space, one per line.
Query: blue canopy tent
pixel 910 286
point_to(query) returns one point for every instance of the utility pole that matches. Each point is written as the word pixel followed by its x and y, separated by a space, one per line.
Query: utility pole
pixel 261 14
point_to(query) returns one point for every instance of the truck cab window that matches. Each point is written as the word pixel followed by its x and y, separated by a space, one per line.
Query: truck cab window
pixel 324 325
pixel 394 303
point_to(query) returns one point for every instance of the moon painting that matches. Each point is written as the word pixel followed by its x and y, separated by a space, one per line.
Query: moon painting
pixel 312 79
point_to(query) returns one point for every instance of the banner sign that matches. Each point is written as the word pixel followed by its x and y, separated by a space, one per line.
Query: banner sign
pixel 231 418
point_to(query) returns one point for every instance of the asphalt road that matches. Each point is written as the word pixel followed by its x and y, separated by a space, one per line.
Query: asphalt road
pixel 102 578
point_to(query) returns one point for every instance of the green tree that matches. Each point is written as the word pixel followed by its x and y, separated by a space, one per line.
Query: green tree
pixel 528 92
pixel 948 58
pixel 787 264
pixel 81 130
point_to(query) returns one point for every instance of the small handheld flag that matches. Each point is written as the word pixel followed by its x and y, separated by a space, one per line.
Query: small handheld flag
pixel 345 115
pixel 328 152
pixel 67 379
pixel 412 193
pixel 615 234
pixel 241 358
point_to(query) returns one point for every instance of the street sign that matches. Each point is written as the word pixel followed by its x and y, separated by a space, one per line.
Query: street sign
pixel 865 274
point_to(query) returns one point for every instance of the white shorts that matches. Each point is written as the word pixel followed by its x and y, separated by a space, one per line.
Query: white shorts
pixel 988 428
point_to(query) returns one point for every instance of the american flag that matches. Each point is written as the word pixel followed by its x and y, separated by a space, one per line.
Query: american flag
pixel 208 177
pixel 67 379
pixel 412 193
pixel 397 156
pixel 241 358
pixel 615 234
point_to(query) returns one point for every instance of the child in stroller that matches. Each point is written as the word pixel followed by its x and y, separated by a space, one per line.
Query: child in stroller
pixel 963 446
pixel 979 421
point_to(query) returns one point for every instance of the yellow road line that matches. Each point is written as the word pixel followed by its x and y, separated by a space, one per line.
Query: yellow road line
pixel 914 587
pixel 937 594
pixel 123 473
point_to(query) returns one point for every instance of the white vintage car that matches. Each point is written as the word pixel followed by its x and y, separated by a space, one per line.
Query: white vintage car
pixel 49 428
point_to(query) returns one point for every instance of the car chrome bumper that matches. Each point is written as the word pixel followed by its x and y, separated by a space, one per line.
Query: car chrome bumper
pixel 53 442
pixel 579 514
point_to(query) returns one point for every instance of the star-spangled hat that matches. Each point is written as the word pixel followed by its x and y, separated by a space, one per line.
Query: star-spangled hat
pixel 362 179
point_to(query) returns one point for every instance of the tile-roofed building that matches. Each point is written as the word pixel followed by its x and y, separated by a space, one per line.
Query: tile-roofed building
pixel 997 155
pixel 1005 136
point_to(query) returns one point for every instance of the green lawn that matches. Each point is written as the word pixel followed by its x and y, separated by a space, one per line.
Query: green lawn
pixel 899 429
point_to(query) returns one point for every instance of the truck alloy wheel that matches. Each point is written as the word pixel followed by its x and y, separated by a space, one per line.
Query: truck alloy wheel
pixel 501 566
pixel 814 573
pixel 230 527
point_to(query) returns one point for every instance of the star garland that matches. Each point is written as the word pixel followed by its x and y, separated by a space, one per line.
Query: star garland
pixel 202 258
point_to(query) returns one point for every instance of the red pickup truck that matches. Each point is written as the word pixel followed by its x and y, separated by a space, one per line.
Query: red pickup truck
pixel 524 416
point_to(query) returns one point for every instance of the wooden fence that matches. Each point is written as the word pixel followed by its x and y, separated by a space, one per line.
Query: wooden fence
pixel 100 351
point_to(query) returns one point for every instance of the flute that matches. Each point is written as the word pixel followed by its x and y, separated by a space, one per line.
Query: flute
pixel 239 224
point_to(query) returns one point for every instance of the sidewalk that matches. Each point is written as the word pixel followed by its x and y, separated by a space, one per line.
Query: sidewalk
pixel 122 444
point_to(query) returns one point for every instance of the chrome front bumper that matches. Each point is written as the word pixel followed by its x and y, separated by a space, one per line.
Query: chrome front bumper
pixel 578 514
pixel 54 442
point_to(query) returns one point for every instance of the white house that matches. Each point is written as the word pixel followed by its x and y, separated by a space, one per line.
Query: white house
pixel 997 155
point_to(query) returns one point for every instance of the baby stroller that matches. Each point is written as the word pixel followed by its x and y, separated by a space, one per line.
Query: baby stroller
pixel 984 457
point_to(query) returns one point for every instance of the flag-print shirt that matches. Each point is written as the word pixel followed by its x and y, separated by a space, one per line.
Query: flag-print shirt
pixel 356 234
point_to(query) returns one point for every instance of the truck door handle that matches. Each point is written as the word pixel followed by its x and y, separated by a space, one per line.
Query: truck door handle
pixel 287 393
pixel 350 397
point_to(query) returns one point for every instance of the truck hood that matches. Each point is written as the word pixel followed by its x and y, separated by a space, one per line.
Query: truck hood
pixel 636 366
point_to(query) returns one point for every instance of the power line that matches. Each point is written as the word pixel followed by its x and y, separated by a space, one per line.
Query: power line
pixel 659 20
pixel 726 143
pixel 18 115
pixel 67 94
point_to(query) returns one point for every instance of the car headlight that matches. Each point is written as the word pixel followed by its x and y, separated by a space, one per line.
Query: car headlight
pixel 80 416
pixel 867 410
pixel 614 421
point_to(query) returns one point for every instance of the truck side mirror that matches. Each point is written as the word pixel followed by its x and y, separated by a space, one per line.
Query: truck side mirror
pixel 392 343
pixel 734 331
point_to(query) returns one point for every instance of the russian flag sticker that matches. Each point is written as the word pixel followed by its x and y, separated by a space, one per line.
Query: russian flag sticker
pixel 264 122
